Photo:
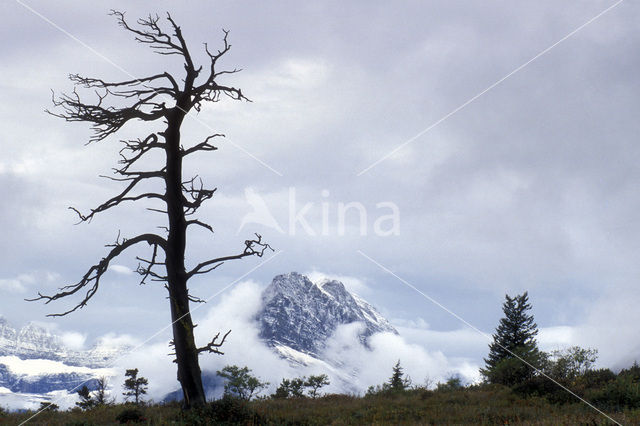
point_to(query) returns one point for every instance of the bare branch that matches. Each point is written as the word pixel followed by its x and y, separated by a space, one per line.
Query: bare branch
pixel 146 271
pixel 195 299
pixel 213 345
pixel 202 146
pixel 91 279
pixel 252 248
pixel 135 179
pixel 119 86
pixel 105 120
pixel 199 223
pixel 139 148
pixel 151 33
pixel 210 90
pixel 197 193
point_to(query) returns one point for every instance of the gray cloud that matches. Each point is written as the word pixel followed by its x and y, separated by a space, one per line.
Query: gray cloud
pixel 530 187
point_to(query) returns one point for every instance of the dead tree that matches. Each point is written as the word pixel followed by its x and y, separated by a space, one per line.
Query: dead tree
pixel 163 100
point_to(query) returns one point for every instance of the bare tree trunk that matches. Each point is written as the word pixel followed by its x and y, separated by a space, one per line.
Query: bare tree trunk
pixel 189 374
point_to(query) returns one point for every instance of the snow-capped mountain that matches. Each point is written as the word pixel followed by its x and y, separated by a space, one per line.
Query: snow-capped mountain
pixel 34 364
pixel 296 319
pixel 300 315
pixel 29 342
pixel 35 342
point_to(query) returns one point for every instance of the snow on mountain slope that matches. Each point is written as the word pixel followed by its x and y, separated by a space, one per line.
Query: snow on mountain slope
pixel 35 342
pixel 296 319
pixel 36 367
pixel 35 363
pixel 301 315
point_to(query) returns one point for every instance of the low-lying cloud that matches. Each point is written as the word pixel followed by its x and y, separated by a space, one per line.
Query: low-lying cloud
pixel 349 361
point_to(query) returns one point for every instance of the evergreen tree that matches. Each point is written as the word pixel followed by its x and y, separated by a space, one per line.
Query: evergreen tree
pixel 135 386
pixel 101 391
pixel 86 401
pixel 513 341
pixel 398 382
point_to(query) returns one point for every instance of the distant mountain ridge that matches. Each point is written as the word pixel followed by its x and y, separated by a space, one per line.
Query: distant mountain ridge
pixel 296 319
pixel 35 362
pixel 35 342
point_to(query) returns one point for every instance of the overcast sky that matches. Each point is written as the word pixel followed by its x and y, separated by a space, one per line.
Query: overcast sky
pixel 531 186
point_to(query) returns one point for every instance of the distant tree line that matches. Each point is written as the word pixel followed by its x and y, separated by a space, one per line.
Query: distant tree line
pixel 514 362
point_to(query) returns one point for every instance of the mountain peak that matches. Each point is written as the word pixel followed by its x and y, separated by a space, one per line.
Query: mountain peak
pixel 301 315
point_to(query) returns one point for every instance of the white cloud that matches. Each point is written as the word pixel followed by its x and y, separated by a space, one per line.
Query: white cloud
pixel 521 189
pixel 112 340
pixel 555 338
pixel 153 362
pixel 23 281
pixel 34 367
pixel 74 340
pixel 12 285
pixel 26 278
pixel 353 284
pixel 52 276
pixel 386 349
pixel 236 311
pixel 297 73
pixel 121 269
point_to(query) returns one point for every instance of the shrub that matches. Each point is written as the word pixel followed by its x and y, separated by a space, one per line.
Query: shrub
pixel 570 363
pixel 624 392
pixel 48 406
pixel 633 372
pixel 378 389
pixel 452 383
pixel 595 378
pixel 131 415
pixel 228 410
pixel 290 388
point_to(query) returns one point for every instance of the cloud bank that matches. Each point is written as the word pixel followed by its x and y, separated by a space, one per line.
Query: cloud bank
pixel 348 359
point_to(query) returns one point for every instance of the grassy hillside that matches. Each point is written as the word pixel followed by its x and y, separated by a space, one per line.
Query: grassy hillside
pixel 475 405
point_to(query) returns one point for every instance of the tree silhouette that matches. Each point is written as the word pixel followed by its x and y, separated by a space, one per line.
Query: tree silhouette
pixel 314 383
pixel 134 386
pixel 86 401
pixel 397 381
pixel 513 341
pixel 240 382
pixel 289 388
pixel 48 406
pixel 162 100
pixel 102 383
